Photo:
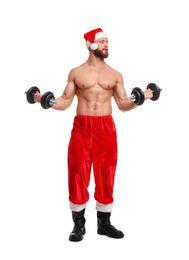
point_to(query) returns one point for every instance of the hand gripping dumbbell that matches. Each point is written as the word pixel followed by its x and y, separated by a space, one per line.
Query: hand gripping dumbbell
pixel 47 99
pixel 137 94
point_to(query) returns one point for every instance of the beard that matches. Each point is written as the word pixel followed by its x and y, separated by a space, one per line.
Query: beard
pixel 98 53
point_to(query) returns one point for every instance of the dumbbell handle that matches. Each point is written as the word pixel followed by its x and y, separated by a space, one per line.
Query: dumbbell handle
pixel 132 97
pixel 52 102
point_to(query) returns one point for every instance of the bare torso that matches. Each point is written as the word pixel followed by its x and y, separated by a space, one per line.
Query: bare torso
pixel 94 89
pixel 94 84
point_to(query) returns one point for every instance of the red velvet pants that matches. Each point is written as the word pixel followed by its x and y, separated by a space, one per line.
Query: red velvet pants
pixel 93 142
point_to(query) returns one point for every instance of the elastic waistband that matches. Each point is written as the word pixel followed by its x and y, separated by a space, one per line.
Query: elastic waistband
pixel 92 117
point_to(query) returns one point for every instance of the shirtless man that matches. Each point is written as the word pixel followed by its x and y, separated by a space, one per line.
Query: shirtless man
pixel 93 138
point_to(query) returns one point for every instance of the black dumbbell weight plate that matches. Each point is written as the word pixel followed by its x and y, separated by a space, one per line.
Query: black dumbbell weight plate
pixel 45 99
pixel 30 93
pixel 156 91
pixel 139 96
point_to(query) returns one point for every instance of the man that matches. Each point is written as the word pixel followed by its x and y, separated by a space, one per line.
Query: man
pixel 93 138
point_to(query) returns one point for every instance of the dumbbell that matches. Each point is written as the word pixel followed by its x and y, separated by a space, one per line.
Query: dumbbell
pixel 137 94
pixel 47 99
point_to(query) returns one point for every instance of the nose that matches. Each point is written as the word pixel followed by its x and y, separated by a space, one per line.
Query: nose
pixel 106 45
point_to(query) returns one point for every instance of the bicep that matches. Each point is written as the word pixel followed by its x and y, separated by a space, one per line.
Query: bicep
pixel 119 90
pixel 70 89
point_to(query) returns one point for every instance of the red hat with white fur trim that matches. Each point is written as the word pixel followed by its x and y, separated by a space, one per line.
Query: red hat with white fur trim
pixel 93 36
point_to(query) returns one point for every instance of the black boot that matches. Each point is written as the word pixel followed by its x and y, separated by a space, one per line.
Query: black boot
pixel 105 227
pixel 79 227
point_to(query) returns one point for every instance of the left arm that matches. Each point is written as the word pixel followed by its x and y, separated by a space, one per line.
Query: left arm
pixel 120 96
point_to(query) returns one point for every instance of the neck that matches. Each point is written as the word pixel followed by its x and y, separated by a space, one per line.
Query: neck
pixel 95 61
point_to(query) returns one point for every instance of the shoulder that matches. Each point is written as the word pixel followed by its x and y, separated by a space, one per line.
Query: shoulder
pixel 114 70
pixel 117 74
pixel 73 72
pixel 77 69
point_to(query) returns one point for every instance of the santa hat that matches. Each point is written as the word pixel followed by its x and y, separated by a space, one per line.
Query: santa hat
pixel 93 36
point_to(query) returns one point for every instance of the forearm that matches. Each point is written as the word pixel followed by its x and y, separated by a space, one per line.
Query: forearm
pixel 61 103
pixel 126 105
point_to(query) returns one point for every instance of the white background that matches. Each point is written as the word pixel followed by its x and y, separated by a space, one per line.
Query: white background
pixel 148 42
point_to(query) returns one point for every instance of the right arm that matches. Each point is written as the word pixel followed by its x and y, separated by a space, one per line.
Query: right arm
pixel 65 100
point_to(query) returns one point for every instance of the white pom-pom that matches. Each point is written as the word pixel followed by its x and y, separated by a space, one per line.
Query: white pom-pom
pixel 94 46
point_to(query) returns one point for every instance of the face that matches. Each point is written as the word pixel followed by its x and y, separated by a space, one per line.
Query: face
pixel 102 51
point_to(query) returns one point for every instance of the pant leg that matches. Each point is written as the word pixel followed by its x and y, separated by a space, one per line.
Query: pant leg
pixel 104 155
pixel 79 162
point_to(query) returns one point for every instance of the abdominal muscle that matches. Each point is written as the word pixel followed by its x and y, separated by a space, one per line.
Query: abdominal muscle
pixel 94 103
